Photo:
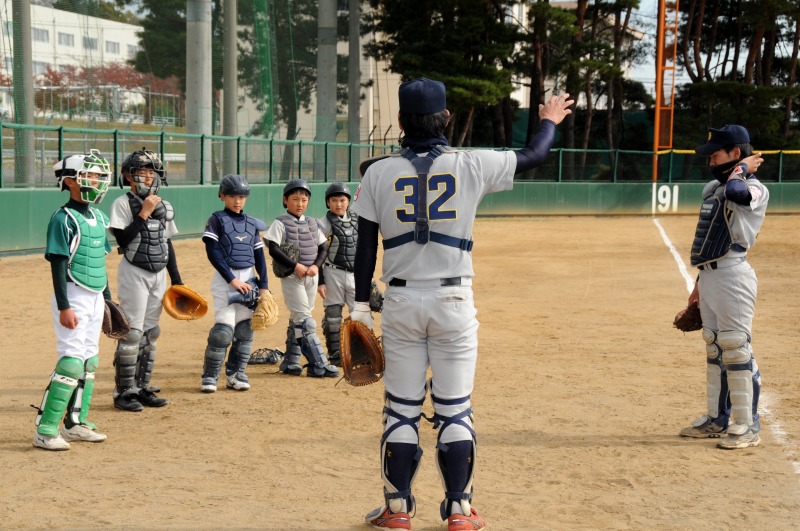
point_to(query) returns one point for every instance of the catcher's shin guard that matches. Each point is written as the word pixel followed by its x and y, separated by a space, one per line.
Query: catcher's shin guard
pixel 310 345
pixel 219 338
pixel 147 357
pixel 81 399
pixel 291 359
pixel 400 451
pixel 456 450
pixel 331 328
pixel 125 362
pixel 240 350
pixel 717 397
pixel 63 383
pixel 738 360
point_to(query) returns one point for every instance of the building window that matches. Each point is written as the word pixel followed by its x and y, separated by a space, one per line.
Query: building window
pixel 40 35
pixel 112 47
pixel 90 43
pixel 132 50
pixel 66 39
pixel 40 67
pixel 9 64
pixel 64 69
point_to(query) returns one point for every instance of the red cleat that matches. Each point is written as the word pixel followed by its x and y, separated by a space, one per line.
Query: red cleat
pixel 388 520
pixel 465 522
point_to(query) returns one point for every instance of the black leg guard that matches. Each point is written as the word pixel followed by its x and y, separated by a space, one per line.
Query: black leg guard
pixel 400 461
pixel 147 358
pixel 219 338
pixel 318 366
pixel 125 358
pixel 240 350
pixel 331 327
pixel 456 466
pixel 291 360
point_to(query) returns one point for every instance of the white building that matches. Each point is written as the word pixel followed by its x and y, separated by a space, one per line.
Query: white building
pixel 61 39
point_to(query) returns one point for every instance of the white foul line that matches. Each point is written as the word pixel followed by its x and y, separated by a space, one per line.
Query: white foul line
pixel 774 425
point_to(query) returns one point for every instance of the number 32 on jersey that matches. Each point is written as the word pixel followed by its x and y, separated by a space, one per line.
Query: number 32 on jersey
pixel 441 187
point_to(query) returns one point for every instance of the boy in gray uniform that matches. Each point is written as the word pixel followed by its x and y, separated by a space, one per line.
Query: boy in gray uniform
pixel 142 224
pixel 300 285
pixel 733 209
pixel 336 281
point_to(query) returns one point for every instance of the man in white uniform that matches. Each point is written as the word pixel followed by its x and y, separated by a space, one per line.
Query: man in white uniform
pixel 423 201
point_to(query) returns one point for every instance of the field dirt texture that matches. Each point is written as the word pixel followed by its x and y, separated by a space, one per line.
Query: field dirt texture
pixel 582 387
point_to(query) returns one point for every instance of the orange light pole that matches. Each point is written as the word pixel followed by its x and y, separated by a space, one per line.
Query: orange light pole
pixel 666 61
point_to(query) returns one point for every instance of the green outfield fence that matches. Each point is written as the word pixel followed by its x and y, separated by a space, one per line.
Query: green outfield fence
pixel 268 161
pixel 570 182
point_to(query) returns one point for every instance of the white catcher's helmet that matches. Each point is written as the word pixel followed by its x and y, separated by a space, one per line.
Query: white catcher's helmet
pixel 78 167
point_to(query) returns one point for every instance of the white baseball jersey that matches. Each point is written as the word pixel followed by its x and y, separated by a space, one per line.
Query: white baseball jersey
pixel 457 181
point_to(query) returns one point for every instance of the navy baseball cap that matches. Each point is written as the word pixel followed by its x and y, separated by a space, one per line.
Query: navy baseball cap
pixel 718 138
pixel 422 96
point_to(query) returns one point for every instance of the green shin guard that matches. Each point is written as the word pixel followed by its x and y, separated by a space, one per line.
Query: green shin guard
pixel 57 396
pixel 88 388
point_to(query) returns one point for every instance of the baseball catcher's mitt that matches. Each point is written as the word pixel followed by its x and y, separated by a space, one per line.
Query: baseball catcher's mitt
pixel 266 313
pixel 688 319
pixel 375 298
pixel 361 354
pixel 183 303
pixel 292 251
pixel 115 321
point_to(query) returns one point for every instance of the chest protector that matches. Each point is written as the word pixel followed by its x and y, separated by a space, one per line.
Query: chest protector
pixel 148 249
pixel 305 234
pixel 343 240
pixel 87 258
pixel 237 239
pixel 712 237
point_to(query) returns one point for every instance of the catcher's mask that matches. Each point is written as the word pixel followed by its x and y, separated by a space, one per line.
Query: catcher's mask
pixel 296 184
pixel 234 184
pixel 90 170
pixel 337 189
pixel 143 159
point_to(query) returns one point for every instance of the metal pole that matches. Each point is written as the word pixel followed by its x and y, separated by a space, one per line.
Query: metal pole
pixel 198 86
pixel 354 75
pixel 326 79
pixel 23 92
pixel 230 162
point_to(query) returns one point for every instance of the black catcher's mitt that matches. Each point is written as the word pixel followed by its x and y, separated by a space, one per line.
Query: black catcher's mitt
pixel 292 251
pixel 688 319
pixel 375 298
pixel 115 321
pixel 361 354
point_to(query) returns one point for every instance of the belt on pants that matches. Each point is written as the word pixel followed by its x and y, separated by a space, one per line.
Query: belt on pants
pixel 339 267
pixel 434 283
pixel 724 262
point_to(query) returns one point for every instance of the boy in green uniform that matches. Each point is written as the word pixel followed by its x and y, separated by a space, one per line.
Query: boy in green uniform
pixel 76 249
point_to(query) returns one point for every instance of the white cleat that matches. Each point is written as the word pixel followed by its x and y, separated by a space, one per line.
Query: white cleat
pixel 82 432
pixel 739 436
pixel 54 443
pixel 237 384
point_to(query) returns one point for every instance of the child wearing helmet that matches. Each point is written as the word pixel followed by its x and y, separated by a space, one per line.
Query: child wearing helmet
pixel 336 281
pixel 143 224
pixel 76 249
pixel 235 249
pixel 300 286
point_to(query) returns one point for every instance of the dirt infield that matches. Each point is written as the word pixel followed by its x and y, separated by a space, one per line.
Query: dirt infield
pixel 582 387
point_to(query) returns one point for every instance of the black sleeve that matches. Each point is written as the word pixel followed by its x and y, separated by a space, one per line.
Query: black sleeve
pixel 277 254
pixel 535 153
pixel 366 257
pixel 261 268
pixel 214 254
pixel 322 255
pixel 172 265
pixel 58 268
pixel 126 235
pixel 321 281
